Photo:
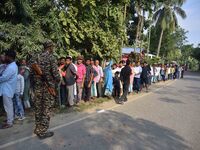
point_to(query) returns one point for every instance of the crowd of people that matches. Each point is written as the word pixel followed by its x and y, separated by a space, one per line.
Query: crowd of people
pixel 81 80
pixel 86 79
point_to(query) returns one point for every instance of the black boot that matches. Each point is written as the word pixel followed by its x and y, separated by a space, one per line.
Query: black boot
pixel 46 135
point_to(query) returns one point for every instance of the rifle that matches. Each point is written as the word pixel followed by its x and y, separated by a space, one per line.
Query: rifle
pixel 39 72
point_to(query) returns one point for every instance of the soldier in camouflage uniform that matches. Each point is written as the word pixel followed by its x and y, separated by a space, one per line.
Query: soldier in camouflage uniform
pixel 43 100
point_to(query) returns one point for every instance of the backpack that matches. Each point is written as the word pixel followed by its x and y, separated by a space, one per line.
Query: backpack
pixel 95 72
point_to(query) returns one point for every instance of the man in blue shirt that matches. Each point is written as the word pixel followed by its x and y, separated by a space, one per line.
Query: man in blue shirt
pixel 8 81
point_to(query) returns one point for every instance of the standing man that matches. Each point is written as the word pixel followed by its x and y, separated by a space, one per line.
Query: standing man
pixel 45 78
pixel 88 80
pixel 2 68
pixel 99 78
pixel 70 80
pixel 125 78
pixel 63 93
pixel 81 72
pixel 137 81
pixel 145 75
pixel 8 82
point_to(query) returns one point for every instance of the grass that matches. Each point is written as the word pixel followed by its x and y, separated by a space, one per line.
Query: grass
pixel 78 108
pixel 83 106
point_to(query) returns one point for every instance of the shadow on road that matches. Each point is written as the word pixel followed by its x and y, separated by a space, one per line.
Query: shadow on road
pixel 192 76
pixel 170 100
pixel 116 131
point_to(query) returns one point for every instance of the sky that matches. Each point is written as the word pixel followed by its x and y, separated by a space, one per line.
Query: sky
pixel 192 22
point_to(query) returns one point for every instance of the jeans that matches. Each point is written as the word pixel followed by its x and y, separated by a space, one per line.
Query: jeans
pixel 70 94
pixel 87 91
pixel 155 79
pixel 163 77
pixel 94 89
pixel 79 91
pixel 150 79
pixel 8 106
pixel 137 83
pixel 99 89
pixel 18 107
pixel 63 94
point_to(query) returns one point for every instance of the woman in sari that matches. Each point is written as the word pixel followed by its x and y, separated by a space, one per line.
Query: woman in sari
pixel 108 81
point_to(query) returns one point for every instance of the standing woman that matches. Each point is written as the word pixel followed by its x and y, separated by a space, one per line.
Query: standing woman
pixel 25 71
pixel 132 65
pixel 108 82
pixel 163 72
pixel 95 79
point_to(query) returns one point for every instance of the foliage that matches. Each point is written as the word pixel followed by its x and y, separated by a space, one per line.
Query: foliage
pixel 166 19
pixel 172 43
pixel 138 22
pixel 196 54
pixel 88 27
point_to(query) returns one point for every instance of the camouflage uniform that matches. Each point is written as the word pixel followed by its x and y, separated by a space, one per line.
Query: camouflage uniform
pixel 43 101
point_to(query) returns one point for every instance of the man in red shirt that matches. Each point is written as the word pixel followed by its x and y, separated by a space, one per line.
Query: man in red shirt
pixel 81 71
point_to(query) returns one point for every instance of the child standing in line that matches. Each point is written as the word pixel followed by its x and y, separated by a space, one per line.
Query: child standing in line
pixel 17 99
pixel 116 83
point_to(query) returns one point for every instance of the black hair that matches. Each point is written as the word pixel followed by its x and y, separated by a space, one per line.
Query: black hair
pixel 117 73
pixel 128 62
pixel 86 59
pixel 62 58
pixel 68 58
pixel 10 53
pixel 121 62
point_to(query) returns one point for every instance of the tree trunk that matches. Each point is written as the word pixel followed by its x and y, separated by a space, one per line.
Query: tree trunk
pixel 124 21
pixel 160 42
pixel 138 29
pixel 149 42
pixel 141 28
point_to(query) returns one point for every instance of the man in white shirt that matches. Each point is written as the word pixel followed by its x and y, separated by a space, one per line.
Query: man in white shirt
pixel 99 79
pixel 158 68
pixel 137 80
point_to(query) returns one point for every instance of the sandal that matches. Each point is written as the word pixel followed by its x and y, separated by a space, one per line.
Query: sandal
pixel 5 126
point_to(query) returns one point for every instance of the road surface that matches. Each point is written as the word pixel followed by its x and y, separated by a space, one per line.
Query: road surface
pixel 165 119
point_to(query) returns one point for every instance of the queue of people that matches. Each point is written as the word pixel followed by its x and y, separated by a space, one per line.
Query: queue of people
pixel 90 80
pixel 81 80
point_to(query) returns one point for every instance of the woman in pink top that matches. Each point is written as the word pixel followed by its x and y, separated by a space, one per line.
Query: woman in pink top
pixel 132 65
pixel 94 82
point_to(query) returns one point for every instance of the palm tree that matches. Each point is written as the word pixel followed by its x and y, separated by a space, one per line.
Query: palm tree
pixel 141 7
pixel 165 17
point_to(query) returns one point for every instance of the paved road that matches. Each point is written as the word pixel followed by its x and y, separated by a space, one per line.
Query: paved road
pixel 166 119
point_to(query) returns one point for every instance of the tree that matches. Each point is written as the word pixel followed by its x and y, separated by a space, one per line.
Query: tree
pixel 165 17
pixel 196 54
pixel 137 11
pixel 87 27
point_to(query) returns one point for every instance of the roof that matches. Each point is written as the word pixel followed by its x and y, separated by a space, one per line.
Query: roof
pixel 128 50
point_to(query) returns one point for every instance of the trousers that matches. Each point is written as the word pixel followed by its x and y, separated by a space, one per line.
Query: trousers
pixel 70 94
pixel 19 110
pixel 43 103
pixel 8 106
